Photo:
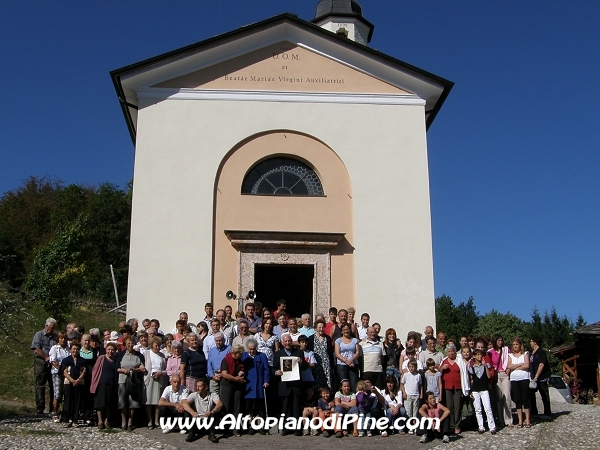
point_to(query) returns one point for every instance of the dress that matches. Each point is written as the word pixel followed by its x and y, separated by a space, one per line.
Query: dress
pixel 257 373
pixel 129 360
pixel 155 362
pixel 106 389
pixel 322 371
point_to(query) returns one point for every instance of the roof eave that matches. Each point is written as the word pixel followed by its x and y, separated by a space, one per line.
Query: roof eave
pixel 118 73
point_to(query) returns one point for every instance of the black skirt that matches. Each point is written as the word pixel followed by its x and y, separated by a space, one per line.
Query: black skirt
pixel 106 396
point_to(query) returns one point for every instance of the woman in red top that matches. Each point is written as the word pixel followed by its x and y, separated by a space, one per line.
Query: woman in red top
pixel 452 387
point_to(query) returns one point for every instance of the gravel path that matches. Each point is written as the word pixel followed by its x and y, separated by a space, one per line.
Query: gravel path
pixel 574 426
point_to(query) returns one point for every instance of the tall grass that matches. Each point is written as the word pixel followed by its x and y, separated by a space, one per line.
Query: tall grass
pixel 16 356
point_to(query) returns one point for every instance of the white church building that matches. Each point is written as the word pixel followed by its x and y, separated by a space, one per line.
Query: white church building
pixel 287 158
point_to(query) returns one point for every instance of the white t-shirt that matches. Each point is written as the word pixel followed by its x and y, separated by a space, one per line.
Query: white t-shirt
pixel 362 332
pixel 519 375
pixel 307 374
pixel 201 405
pixel 175 397
pixel 155 360
pixel 345 398
pixel 392 401
pixel 294 336
pixel 57 354
pixel 419 364
pixel 412 383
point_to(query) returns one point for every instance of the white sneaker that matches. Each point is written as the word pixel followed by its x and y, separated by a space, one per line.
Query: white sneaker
pixel 184 431
pixel 361 434
pixel 315 432
pixel 411 431
pixel 424 439
pixel 369 434
pixel 384 433
pixel 446 439
pixel 166 430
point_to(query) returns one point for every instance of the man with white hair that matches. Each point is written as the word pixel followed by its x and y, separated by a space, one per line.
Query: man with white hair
pixel 71 327
pixel 134 324
pixel 214 359
pixel 290 392
pixel 171 400
pixel 42 342
pixel 306 329
pixel 209 341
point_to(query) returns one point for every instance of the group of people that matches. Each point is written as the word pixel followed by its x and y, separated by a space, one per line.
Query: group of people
pixel 235 363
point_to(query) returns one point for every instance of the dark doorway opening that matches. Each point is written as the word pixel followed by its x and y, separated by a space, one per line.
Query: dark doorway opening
pixel 293 282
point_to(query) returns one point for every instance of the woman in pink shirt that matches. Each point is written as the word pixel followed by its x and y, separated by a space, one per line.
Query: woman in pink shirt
pixel 174 361
pixel 501 386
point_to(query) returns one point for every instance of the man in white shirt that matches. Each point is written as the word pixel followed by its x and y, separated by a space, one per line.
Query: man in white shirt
pixel 364 326
pixel 184 316
pixel 373 352
pixel 293 332
pixel 224 327
pixel 208 309
pixel 171 401
pixel 431 352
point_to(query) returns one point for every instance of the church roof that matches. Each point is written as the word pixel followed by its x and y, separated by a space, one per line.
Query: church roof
pixel 431 88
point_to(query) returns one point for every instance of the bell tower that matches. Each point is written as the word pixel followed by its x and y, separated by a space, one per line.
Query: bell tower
pixel 344 17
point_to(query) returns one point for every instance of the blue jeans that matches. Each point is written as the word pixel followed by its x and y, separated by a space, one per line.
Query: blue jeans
pixel 365 415
pixel 393 372
pixel 391 418
pixel 346 372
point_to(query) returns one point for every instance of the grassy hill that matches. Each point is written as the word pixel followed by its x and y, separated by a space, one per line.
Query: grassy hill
pixel 19 321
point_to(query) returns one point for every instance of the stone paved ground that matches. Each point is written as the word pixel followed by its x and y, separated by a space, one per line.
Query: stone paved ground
pixel 574 426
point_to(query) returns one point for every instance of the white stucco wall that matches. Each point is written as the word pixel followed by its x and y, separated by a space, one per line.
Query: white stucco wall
pixel 179 147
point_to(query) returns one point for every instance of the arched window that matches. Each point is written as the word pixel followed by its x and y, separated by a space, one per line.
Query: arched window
pixel 282 176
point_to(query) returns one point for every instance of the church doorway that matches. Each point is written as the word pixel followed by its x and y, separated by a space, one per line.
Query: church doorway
pixel 292 282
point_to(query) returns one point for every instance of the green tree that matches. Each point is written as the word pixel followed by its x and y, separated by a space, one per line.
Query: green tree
pixel 11 264
pixel 13 317
pixel 453 320
pixel 25 217
pixel 35 216
pixel 580 322
pixel 536 325
pixel 108 230
pixel 557 330
pixel 59 269
pixel 507 325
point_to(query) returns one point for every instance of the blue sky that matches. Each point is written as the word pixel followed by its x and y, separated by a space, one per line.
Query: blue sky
pixel 513 154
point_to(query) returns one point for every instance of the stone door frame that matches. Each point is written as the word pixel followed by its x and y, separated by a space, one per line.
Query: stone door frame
pixel 277 247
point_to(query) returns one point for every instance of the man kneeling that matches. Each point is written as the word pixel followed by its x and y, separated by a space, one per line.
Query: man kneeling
pixel 171 403
pixel 204 405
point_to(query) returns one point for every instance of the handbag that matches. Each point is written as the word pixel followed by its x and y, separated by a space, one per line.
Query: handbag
pixel 129 386
pixel 533 384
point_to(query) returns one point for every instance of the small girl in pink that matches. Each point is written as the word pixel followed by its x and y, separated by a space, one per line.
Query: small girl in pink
pixel 433 409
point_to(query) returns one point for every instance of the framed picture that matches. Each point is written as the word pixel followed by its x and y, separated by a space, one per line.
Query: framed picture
pixel 290 368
